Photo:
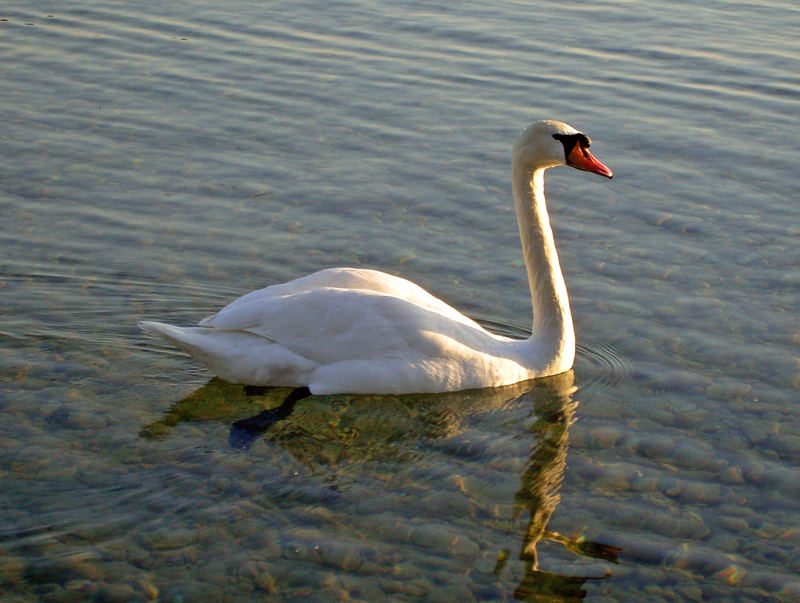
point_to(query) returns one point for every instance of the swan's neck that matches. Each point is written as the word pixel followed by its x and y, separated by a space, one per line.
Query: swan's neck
pixel 551 347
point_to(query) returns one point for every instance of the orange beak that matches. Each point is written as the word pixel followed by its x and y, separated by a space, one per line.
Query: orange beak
pixel 582 159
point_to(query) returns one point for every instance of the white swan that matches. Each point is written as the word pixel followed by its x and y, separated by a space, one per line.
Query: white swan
pixel 348 330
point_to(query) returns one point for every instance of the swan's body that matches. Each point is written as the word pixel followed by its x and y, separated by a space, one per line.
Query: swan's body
pixel 348 330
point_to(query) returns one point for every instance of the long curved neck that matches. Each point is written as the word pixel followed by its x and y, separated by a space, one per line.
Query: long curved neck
pixel 551 347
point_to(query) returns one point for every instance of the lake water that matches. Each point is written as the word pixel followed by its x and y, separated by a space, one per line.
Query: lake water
pixel 159 159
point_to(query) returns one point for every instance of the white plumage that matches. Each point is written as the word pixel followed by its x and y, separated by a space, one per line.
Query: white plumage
pixel 348 330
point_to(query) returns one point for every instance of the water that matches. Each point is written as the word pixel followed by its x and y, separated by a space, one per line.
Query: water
pixel 159 160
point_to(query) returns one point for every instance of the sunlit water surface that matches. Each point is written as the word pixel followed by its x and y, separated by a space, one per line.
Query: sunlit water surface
pixel 159 159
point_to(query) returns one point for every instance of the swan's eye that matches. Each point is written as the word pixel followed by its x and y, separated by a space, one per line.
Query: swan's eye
pixel 570 141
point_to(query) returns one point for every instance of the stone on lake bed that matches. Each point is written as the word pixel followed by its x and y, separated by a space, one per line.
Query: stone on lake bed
pixel 12 567
pixel 448 504
pixel 166 539
pixel 727 390
pixel 754 471
pixel 332 594
pixel 784 444
pixel 117 593
pixel 603 437
pixel 724 541
pixel 340 555
pixel 435 537
pixel 417 588
pixel 617 476
pixel 147 587
pixel 700 492
pixel 262 540
pixel 653 446
pixel 316 514
pixel 701 559
pixel 266 582
pixel 735 525
pixel 196 592
pixel 79 566
pixel 692 457
pixel 456 592
pixel 464 548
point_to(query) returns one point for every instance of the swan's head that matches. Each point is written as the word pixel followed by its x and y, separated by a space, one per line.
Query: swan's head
pixel 548 143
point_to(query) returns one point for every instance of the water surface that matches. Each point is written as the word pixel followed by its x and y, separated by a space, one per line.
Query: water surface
pixel 159 160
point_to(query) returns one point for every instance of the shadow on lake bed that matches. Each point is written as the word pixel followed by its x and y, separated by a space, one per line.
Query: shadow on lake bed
pixel 342 430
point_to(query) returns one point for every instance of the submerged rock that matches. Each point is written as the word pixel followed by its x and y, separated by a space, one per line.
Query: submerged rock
pixel 167 539
pixel 727 390
pixel 12 567
pixel 118 593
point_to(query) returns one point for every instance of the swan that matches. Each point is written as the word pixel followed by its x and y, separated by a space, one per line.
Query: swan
pixel 359 331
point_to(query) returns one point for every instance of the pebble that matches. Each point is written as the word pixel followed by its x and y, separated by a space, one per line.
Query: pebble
pixel 316 514
pixel 465 549
pixel 653 446
pixel 447 503
pixel 662 522
pixel 727 390
pixel 700 493
pixel 689 592
pixel 188 555
pixel 417 588
pixel 786 444
pixel 435 537
pixel 196 592
pixel 170 538
pixel 768 530
pixel 404 571
pixel 703 560
pixel 450 593
pixel 340 555
pixel 394 587
pixel 604 437
pixel 754 471
pixel 756 431
pixel 265 581
pixel 12 567
pixel 263 541
pixel 790 591
pixel 732 475
pixel 87 421
pixel 146 585
pixel 693 457
pixel 692 420
pixel 117 593
pixel 334 595
pixel 724 542
pixel 371 568
pixel 83 568
pixel 654 592
pixel 736 525
pixel 69 593
pixel 617 476
pixel 786 480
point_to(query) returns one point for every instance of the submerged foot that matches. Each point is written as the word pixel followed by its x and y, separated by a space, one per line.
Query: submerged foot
pixel 245 431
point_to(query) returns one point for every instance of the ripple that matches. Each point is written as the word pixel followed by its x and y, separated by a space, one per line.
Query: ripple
pixel 599 366
pixel 597 363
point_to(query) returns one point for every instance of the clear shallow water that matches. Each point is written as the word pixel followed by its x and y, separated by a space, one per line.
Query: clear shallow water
pixel 159 161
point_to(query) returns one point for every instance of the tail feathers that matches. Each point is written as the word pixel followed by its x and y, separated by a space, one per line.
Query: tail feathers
pixel 236 356
pixel 184 338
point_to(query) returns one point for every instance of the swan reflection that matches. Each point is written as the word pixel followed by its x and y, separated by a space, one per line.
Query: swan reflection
pixel 539 495
pixel 339 431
